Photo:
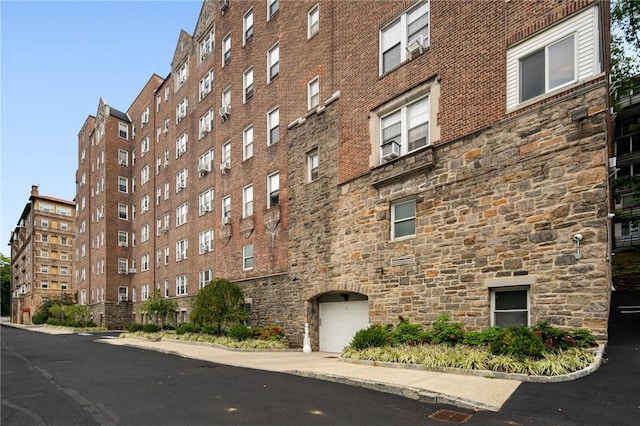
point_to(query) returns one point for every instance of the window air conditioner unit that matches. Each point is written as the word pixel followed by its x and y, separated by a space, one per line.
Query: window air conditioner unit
pixel 123 162
pixel 204 132
pixel 165 131
pixel 226 220
pixel 204 247
pixel 180 257
pixel 225 112
pixel 123 298
pixel 225 166
pixel 204 168
pixel 180 187
pixel 165 229
pixel 613 162
pixel 415 47
pixel 203 55
pixel 122 272
pixel 132 270
pixel 224 5
pixel 390 150
pixel 122 244
pixel 206 209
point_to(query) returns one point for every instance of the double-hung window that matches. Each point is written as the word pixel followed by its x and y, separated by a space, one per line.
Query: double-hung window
pixel 313 92
pixel 182 74
pixel 206 123
pixel 123 131
pixel 313 21
pixel 181 109
pixel 272 8
pixel 206 46
pixel 273 63
pixel 181 285
pixel 206 201
pixel 226 208
pixel 144 146
pixel 206 84
pixel 403 219
pixel 206 241
pixel 181 144
pixel 273 190
pixel 123 211
pixel 205 277
pixel 181 249
pixel 123 184
pixel 409 30
pixel 247 143
pixel 181 179
pixel 405 129
pixel 123 157
pixel 247 201
pixel 247 27
pixel 247 257
pixel 181 214
pixel 226 49
pixel 247 84
pixel 144 262
pixel 312 165
pixel 510 306
pixel 273 126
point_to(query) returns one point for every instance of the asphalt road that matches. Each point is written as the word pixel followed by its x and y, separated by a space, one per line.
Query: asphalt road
pixel 71 380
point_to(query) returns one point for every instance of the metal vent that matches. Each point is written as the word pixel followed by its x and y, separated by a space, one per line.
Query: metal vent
pixel 403 260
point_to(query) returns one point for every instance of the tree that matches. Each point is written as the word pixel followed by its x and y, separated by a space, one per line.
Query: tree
pixel 5 296
pixel 158 308
pixel 219 303
pixel 625 44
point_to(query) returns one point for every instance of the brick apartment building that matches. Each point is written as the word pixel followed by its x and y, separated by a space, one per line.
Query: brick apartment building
pixel 41 255
pixel 349 162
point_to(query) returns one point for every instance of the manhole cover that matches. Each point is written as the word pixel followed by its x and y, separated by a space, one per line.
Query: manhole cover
pixel 450 416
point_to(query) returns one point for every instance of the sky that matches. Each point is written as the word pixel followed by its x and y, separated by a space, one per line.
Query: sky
pixel 57 59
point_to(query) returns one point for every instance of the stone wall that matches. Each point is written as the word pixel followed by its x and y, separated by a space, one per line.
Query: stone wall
pixel 499 207
pixel 112 315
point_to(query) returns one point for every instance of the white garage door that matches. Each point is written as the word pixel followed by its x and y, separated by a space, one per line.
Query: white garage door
pixel 339 321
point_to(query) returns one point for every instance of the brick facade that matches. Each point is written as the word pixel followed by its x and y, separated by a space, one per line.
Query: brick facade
pixel 499 192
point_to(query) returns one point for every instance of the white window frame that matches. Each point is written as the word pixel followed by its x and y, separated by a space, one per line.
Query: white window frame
pixel 181 214
pixel 144 262
pixel 181 144
pixel 397 221
pixel 247 85
pixel 273 190
pixel 205 124
pixel 226 207
pixel 247 257
pixel 313 21
pixel 205 201
pixel 495 290
pixel 226 49
pixel 181 109
pixel 205 277
pixel 396 35
pixel 123 157
pixel 123 131
pixel 205 241
pixel 181 179
pixel 247 143
pixel 273 6
pixel 123 238
pixel 206 84
pixel 206 46
pixel 273 126
pixel 226 153
pixel 403 119
pixel 313 93
pixel 247 201
pixel 313 165
pixel 144 146
pixel 273 62
pixel 182 247
pixel 181 285
pixel 144 203
pixel 182 74
pixel 247 27
pixel 123 211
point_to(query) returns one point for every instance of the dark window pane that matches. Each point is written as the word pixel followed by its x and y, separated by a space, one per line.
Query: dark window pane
pixel 391 58
pixel 508 319
pixel 532 76
pixel 511 300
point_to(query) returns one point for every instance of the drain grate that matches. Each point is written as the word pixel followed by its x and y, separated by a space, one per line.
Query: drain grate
pixel 450 416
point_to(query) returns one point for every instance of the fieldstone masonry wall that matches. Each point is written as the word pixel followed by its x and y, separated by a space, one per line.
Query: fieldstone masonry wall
pixel 503 203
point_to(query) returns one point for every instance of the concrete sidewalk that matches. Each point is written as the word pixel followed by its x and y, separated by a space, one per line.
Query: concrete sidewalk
pixel 460 390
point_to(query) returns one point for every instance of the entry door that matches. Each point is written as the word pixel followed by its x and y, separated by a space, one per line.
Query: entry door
pixel 339 322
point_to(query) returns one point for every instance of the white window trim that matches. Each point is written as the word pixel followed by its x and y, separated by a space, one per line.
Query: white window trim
pixel 414 218
pixel 585 26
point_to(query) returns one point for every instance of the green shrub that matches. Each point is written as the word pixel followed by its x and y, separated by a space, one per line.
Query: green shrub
pixel 519 342
pixel 375 336
pixel 583 338
pixel 53 321
pixel 481 338
pixel 150 328
pixel 407 333
pixel 240 332
pixel 135 327
pixel 554 338
pixel 208 329
pixel 187 327
pixel 39 318
pixel 447 332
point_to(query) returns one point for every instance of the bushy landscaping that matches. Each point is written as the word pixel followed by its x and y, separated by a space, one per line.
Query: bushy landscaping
pixel 65 315
pixel 538 350
pixel 238 336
